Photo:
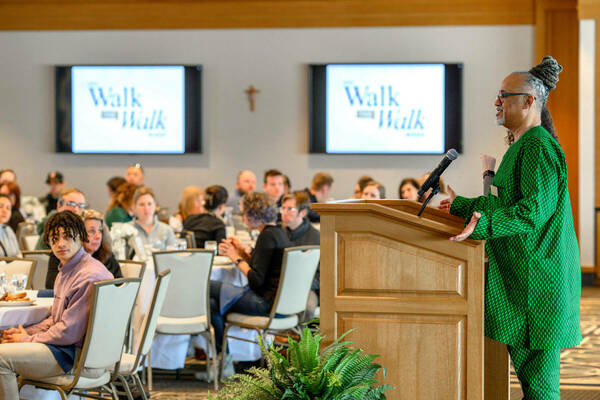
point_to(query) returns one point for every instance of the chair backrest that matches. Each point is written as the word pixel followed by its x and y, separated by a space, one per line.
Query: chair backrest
pixel 150 320
pixel 187 295
pixel 297 273
pixel 16 265
pixel 25 228
pixel 28 242
pixel 38 282
pixel 132 269
pixel 190 238
pixel 112 302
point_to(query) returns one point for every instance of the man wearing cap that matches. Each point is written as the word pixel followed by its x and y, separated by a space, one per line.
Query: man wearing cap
pixel 56 182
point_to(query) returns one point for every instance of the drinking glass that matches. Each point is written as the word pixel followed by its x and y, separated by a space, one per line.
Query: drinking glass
pixel 211 245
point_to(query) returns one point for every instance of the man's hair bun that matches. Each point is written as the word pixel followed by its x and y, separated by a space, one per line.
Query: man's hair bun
pixel 547 71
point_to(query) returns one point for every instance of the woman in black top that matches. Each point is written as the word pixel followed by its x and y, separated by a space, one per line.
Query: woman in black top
pixel 98 245
pixel 262 265
pixel 208 225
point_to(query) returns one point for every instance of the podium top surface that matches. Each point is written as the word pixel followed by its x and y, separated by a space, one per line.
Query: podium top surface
pixel 405 210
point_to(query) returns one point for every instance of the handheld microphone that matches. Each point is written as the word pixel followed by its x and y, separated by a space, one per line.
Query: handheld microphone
pixel 450 156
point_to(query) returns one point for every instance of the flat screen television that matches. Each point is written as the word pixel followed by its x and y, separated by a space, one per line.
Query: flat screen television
pixel 405 108
pixel 128 109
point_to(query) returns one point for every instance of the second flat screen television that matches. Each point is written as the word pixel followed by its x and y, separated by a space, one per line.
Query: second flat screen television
pixel 385 108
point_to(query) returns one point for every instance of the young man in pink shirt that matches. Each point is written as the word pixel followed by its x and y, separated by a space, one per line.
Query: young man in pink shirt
pixel 48 348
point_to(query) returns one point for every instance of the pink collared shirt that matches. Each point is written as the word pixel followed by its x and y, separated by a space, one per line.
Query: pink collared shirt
pixel 73 287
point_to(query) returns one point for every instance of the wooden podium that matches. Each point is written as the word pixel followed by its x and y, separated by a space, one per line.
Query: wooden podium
pixel 412 296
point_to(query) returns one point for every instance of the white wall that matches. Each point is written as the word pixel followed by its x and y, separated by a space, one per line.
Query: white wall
pixel 587 217
pixel 275 135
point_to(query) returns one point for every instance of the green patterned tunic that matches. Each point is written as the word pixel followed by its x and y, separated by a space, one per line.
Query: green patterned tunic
pixel 533 282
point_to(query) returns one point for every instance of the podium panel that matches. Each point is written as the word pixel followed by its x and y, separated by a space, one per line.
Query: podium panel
pixel 411 296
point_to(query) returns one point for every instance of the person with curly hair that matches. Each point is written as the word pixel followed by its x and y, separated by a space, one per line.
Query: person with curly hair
pixel 120 208
pixel 533 281
pixel 262 265
pixel 48 348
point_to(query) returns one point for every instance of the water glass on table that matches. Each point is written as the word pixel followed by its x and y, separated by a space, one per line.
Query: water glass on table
pixel 19 281
pixel 211 245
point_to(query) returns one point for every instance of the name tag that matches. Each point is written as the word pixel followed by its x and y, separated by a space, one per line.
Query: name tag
pixel 494 190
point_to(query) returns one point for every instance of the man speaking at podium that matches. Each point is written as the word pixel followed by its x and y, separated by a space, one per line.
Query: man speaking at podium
pixel 534 279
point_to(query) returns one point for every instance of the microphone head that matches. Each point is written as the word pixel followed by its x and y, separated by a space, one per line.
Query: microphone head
pixel 452 154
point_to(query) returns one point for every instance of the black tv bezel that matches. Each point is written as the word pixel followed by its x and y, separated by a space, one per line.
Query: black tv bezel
pixel 193 109
pixel 317 107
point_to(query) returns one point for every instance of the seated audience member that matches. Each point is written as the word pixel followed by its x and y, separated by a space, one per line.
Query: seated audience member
pixel 245 183
pixel 294 209
pixel 262 265
pixel 55 181
pixel 318 192
pixel 373 191
pixel 287 185
pixel 360 185
pixel 273 185
pixel 408 189
pixel 7 175
pixel 113 184
pixel 209 225
pixel 99 241
pixel 48 348
pixel 70 199
pixel 14 194
pixel 9 246
pixel 98 246
pixel 135 175
pixel 191 203
pixel 153 233
pixel 120 208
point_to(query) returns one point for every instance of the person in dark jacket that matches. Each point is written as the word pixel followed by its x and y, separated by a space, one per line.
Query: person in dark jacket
pixel 294 209
pixel 262 265
pixel 97 245
pixel 209 225
pixel 319 191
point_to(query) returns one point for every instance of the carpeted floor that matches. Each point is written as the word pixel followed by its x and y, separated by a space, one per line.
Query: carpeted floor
pixel 580 366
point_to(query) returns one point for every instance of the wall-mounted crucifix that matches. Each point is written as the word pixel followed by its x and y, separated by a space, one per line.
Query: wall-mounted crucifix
pixel 251 92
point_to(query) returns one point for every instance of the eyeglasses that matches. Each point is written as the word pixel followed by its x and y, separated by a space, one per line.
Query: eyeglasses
pixel 286 209
pixel 502 95
pixel 73 204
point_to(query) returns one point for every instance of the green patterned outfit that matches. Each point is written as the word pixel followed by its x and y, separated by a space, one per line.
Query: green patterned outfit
pixel 534 278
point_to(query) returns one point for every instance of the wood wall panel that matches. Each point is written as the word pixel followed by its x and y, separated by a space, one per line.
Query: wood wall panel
pixel 187 14
pixel 557 34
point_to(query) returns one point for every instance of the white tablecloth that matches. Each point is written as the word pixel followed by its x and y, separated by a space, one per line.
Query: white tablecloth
pixel 169 351
pixel 25 315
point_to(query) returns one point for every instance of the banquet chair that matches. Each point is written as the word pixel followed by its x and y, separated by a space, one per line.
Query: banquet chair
pixel 112 301
pixel 25 229
pixel 38 282
pixel 132 269
pixel 130 363
pixel 15 265
pixel 190 238
pixel 298 269
pixel 186 310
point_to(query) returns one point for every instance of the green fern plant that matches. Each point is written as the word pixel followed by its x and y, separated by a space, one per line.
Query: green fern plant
pixel 308 372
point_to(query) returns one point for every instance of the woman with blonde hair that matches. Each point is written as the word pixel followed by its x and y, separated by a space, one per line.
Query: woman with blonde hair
pixel 154 233
pixel 191 203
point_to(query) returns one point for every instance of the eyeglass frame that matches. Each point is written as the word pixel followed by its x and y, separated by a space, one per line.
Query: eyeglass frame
pixel 81 206
pixel 502 95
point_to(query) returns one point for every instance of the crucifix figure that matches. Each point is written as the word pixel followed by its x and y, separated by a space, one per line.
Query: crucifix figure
pixel 251 92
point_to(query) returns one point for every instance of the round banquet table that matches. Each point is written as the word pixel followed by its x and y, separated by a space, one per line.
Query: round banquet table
pixel 169 351
pixel 26 315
